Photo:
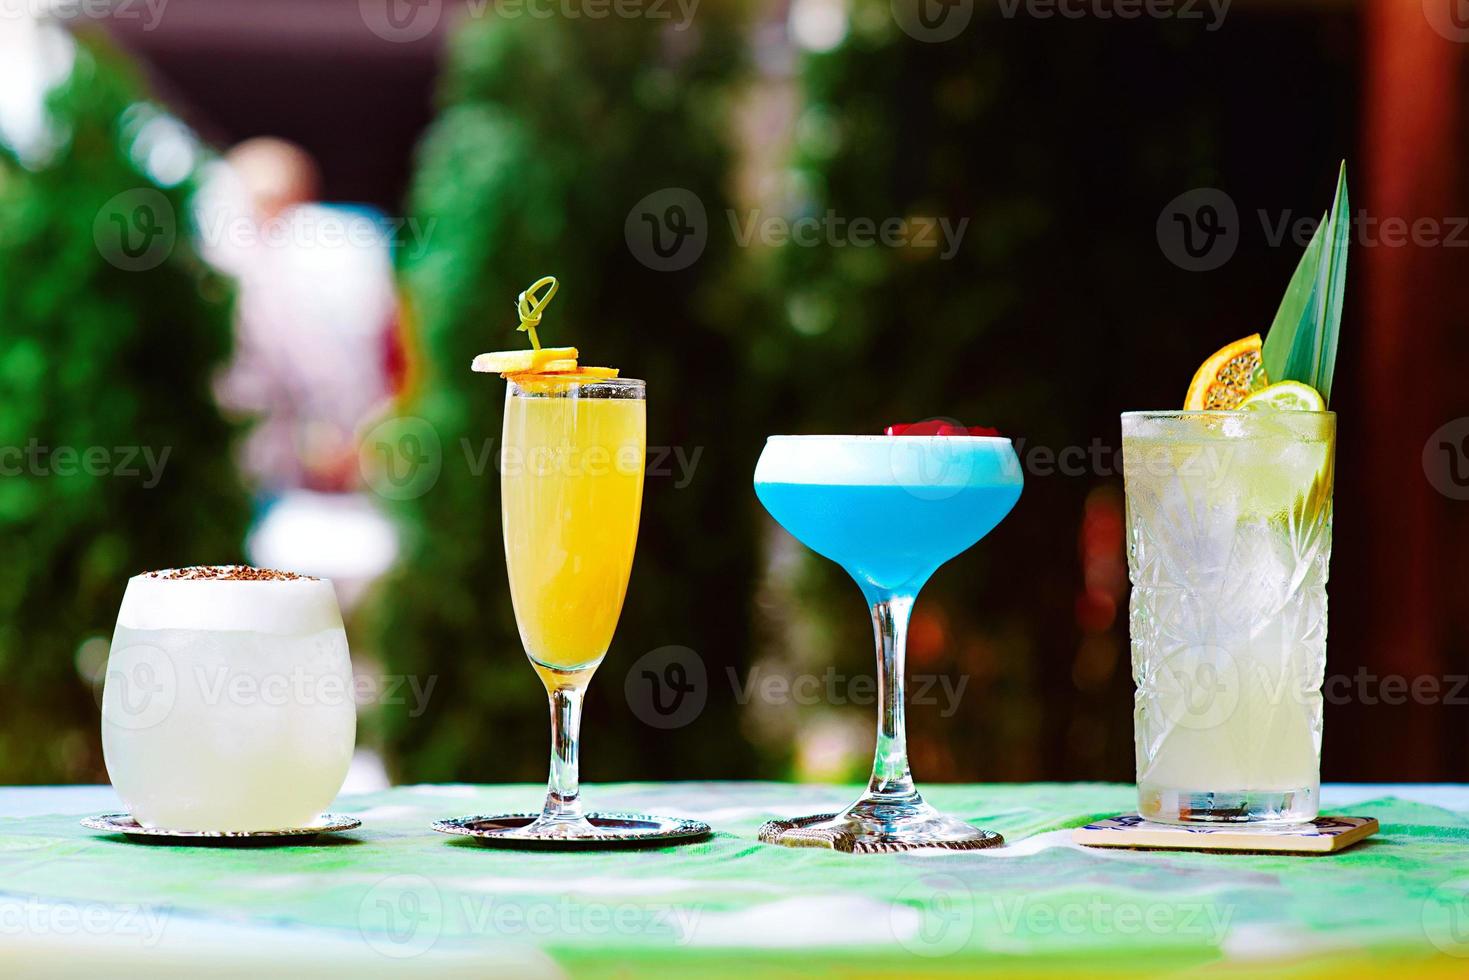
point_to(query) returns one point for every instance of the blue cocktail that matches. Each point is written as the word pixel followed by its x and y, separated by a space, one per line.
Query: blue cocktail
pixel 890 510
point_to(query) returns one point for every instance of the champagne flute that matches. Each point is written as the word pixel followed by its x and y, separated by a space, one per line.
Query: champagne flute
pixel 571 490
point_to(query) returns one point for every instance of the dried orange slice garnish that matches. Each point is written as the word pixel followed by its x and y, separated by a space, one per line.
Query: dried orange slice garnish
pixel 543 379
pixel 585 371
pixel 555 382
pixel 1227 378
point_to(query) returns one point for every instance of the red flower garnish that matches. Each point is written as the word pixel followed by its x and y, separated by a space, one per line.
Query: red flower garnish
pixel 938 427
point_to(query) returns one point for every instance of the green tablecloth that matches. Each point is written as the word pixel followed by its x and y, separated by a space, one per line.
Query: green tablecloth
pixel 395 898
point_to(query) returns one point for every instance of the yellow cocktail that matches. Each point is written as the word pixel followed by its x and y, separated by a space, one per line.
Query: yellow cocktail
pixel 571 490
pixel 571 493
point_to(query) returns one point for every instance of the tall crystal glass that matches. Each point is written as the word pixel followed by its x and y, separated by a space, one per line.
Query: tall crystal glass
pixel 890 510
pixel 571 492
pixel 1229 544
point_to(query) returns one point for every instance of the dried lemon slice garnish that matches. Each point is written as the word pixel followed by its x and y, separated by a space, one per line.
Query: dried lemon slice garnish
pixel 557 364
pixel 517 361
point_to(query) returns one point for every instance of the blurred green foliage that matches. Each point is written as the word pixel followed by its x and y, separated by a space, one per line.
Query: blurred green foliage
pixel 1053 146
pixel 550 132
pixel 95 358
pixel 896 137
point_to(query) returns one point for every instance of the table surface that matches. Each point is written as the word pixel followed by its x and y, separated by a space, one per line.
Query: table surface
pixel 395 898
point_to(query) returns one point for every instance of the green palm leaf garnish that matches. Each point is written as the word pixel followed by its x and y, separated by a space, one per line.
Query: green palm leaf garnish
pixel 1302 342
pixel 1335 284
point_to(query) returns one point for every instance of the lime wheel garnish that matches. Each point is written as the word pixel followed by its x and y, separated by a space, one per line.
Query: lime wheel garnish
pixel 1288 396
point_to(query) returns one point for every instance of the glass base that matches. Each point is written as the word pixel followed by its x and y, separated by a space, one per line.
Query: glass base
pixel 560 828
pixel 874 825
pixel 1266 808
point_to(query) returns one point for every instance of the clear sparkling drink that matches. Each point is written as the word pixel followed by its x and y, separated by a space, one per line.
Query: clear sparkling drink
pixel 228 700
pixel 1229 543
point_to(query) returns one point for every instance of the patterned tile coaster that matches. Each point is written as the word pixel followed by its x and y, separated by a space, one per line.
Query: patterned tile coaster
pixel 1324 835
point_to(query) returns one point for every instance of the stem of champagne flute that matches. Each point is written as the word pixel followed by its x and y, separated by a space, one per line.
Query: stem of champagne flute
pixel 563 794
pixel 891 779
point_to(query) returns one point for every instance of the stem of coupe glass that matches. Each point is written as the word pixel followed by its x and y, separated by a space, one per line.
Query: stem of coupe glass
pixel 891 780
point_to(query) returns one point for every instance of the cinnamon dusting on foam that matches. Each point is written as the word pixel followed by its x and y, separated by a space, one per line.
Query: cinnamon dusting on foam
pixel 227 573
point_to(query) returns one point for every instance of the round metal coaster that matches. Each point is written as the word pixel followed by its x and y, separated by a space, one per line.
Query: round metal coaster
pixel 810 832
pixel 613 830
pixel 123 823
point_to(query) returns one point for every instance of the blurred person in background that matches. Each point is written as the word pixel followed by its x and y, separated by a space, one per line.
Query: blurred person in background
pixel 316 355
pixel 316 359
pixel 315 319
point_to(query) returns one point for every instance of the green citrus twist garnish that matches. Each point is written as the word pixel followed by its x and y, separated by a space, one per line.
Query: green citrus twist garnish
pixel 531 307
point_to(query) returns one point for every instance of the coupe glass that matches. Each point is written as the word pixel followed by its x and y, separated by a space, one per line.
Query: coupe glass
pixel 890 510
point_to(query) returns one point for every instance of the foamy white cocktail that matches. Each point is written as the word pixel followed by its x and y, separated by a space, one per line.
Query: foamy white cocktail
pixel 228 699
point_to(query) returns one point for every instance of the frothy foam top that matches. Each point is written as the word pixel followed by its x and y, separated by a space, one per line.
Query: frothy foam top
pixel 230 597
pixel 907 461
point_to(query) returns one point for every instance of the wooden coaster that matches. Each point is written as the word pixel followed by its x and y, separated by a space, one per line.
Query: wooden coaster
pixel 1324 835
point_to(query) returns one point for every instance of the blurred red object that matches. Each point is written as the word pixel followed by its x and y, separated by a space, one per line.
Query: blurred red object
pixel 938 427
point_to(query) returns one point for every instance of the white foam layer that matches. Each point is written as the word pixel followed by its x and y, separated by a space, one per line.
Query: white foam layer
pixel 930 461
pixel 274 606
